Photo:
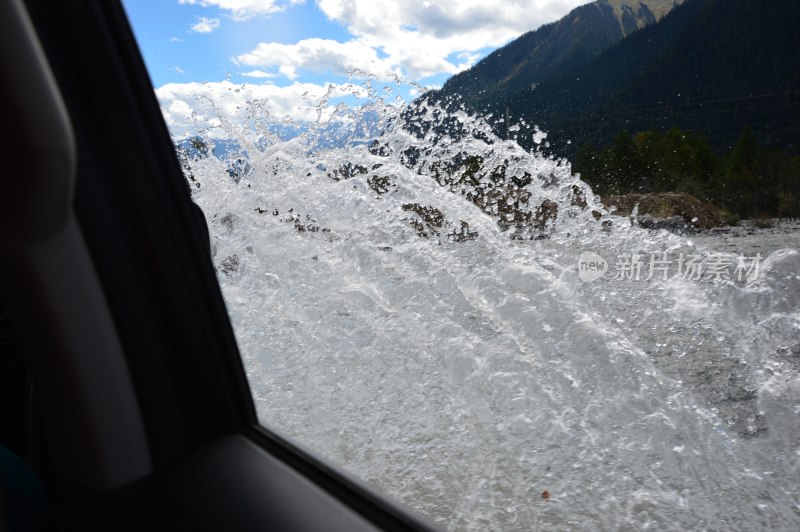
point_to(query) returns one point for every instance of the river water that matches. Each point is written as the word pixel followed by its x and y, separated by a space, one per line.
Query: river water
pixel 420 311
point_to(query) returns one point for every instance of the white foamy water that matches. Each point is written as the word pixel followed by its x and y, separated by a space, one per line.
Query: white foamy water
pixel 415 314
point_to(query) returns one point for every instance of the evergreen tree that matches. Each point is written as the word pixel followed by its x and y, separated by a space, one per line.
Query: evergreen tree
pixel 589 164
pixel 748 182
pixel 742 176
pixel 623 167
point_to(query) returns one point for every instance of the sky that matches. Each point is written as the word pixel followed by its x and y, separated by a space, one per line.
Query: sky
pixel 199 52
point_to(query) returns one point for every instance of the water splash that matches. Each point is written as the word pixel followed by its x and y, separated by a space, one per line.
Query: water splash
pixel 405 292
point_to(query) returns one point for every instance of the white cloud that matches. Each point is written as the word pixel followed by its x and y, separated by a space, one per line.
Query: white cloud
pixel 176 39
pixel 243 9
pixel 259 74
pixel 205 25
pixel 489 23
pixel 320 56
pixel 413 38
pixel 192 107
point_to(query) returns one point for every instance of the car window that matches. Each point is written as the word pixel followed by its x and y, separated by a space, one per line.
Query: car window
pixel 528 266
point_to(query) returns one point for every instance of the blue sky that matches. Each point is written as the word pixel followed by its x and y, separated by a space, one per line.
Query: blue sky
pixel 176 54
pixel 283 49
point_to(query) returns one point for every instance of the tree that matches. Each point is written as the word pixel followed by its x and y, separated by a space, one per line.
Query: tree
pixel 745 153
pixel 623 169
pixel 742 183
pixel 589 164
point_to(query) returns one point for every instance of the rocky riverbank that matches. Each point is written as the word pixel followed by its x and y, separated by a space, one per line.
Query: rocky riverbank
pixel 676 212
pixel 752 236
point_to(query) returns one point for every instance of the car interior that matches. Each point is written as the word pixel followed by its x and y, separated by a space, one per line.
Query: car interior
pixel 124 404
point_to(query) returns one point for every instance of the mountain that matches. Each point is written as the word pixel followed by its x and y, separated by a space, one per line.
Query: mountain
pixel 659 8
pixel 561 46
pixel 707 66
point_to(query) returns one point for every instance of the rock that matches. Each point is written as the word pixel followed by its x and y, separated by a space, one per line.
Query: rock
pixel 347 170
pixel 462 234
pixel 303 225
pixel 381 184
pixel 432 219
pixel 674 224
pixel 677 212
pixel 431 222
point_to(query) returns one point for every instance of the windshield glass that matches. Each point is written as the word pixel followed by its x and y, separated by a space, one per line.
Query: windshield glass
pixel 521 266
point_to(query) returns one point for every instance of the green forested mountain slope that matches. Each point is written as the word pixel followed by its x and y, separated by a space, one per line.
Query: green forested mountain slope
pixel 708 66
pixel 553 49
